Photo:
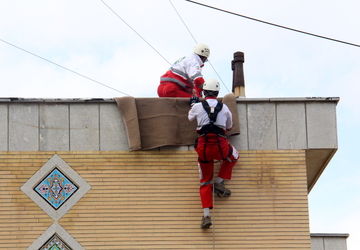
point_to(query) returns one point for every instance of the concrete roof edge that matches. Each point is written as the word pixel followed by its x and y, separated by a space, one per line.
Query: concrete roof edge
pixel 290 99
pixel 343 235
pixel 55 100
pixel 111 100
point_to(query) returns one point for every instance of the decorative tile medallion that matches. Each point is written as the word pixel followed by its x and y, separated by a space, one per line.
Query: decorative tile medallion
pixel 55 238
pixel 56 188
pixel 55 243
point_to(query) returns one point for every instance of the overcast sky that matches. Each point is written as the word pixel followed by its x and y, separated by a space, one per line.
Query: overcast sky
pixel 86 37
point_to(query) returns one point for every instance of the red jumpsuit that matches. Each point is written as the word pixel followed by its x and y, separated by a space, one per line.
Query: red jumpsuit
pixel 183 79
pixel 212 147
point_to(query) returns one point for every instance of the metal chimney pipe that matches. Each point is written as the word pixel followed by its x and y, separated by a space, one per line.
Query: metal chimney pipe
pixel 237 65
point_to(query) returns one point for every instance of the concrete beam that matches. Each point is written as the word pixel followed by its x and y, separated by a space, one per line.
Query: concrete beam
pixel 24 127
pixel 112 131
pixel 317 243
pixel 321 125
pixel 335 244
pixel 328 241
pixel 54 127
pixel 3 127
pixel 240 142
pixel 291 125
pixel 261 126
pixel 84 127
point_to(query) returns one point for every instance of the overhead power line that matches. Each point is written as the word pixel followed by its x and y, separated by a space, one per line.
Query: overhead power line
pixel 63 67
pixel 137 33
pixel 182 20
pixel 273 24
pixel 193 37
pixel 219 76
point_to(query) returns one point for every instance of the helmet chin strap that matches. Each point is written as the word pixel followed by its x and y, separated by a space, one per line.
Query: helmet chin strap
pixel 210 94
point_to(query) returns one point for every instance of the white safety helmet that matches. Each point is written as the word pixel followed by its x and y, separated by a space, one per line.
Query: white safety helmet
pixel 202 50
pixel 211 84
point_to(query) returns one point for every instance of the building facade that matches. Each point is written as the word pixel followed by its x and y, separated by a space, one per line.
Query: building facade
pixel 68 179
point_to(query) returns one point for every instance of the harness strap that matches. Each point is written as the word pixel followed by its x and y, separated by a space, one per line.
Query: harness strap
pixel 211 127
pixel 206 183
pixel 201 161
pixel 212 112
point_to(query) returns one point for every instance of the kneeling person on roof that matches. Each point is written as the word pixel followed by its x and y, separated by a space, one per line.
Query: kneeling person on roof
pixel 184 78
pixel 213 120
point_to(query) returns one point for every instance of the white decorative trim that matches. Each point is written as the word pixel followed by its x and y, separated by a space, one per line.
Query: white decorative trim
pixel 61 232
pixel 55 161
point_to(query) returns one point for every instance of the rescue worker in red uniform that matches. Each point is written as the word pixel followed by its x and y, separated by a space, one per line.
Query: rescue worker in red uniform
pixel 184 78
pixel 213 120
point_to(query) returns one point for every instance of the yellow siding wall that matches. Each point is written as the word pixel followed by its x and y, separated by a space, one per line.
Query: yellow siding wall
pixel 149 200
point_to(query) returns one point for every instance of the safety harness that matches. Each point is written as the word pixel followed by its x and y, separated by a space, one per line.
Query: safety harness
pixel 211 128
pixel 212 113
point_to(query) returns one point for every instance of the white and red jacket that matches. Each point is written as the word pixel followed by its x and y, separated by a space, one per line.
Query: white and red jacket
pixel 186 72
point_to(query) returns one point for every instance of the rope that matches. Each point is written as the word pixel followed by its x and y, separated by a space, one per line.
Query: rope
pixel 137 33
pixel 193 37
pixel 63 67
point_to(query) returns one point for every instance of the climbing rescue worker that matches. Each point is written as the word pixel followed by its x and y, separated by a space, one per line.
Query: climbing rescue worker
pixel 184 78
pixel 213 120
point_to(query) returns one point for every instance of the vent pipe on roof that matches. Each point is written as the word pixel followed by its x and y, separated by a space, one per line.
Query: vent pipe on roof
pixel 237 64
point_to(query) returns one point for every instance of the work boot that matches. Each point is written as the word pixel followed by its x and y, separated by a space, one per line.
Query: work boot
pixel 220 190
pixel 206 222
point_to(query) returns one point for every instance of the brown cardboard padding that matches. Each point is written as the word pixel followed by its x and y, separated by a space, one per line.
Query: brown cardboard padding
pixel 156 122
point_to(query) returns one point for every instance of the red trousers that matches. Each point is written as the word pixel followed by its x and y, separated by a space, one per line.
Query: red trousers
pixel 209 148
pixel 171 89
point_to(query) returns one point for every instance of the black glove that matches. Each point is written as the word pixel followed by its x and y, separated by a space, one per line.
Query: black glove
pixel 193 100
